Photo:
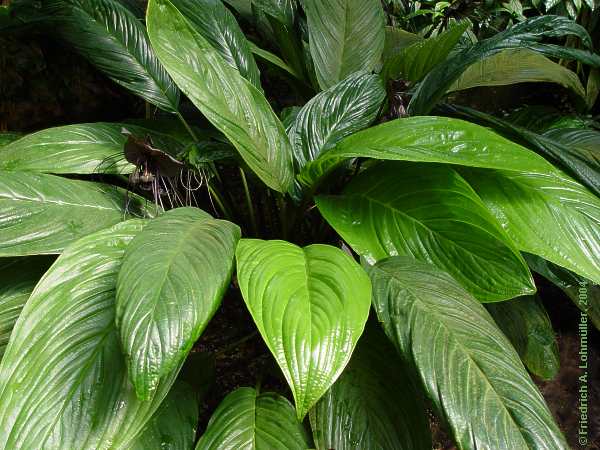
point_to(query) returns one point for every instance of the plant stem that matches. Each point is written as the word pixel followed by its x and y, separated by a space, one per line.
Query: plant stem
pixel 187 126
pixel 249 203
pixel 214 194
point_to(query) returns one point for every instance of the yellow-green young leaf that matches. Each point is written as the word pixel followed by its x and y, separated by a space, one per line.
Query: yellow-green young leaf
pixel 173 425
pixel 374 404
pixel 248 420
pixel 173 278
pixel 428 139
pixel 468 368
pixel 430 213
pixel 18 277
pixel 115 41
pixel 63 379
pixel 345 36
pixel 549 215
pixel 517 66
pixel 310 305
pixel 226 98
pixel 41 214
pixel 526 324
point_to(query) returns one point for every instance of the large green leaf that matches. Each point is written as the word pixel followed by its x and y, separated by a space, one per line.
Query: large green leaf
pixel 219 27
pixel 115 41
pixel 412 63
pixel 43 213
pixel 373 405
pixel 164 303
pixel 527 34
pixel 549 215
pixel 18 277
pixel 248 420
pixel 526 324
pixel 571 284
pixel 517 66
pixel 344 108
pixel 81 148
pixel 428 139
pixel 173 425
pixel 310 305
pixel 469 369
pixel 63 380
pixel 428 212
pixel 345 36
pixel 284 11
pixel 273 59
pixel 574 150
pixel 8 137
pixel 397 39
pixel 226 98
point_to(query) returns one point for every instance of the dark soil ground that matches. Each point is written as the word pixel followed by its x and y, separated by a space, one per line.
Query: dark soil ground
pixel 42 84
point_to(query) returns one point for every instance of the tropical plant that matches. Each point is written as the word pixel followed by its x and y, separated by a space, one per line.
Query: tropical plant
pixel 348 199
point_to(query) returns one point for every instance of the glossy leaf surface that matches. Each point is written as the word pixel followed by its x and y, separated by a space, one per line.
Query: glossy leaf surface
pixel 469 369
pixel 172 280
pixel 173 425
pixel 41 214
pixel 18 277
pixel 63 380
pixel 430 213
pixel 310 305
pixel 115 41
pixel 248 420
pixel 412 63
pixel 343 109
pixel 428 139
pixel 548 215
pixel 227 99
pixel 517 66
pixel 345 36
pixel 527 34
pixel 219 27
pixel 526 324
pixel 374 404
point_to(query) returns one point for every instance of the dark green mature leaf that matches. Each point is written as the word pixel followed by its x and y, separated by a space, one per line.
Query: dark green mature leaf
pixel 412 63
pixel 571 284
pixel 343 109
pixel 248 420
pixel 114 40
pixel 527 34
pixel 428 139
pixel 345 36
pixel 41 214
pixel 218 26
pixel 226 98
pixel 397 39
pixel 63 380
pixel 517 66
pixel 549 215
pixel 431 213
pixel 284 11
pixel 274 59
pixel 468 367
pixel 373 405
pixel 526 324
pixel 575 150
pixel 173 425
pixel 310 305
pixel 173 278
pixel 18 277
